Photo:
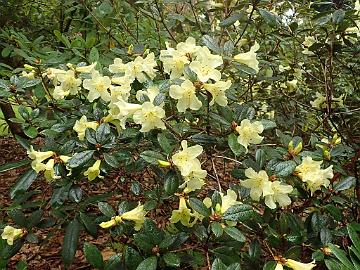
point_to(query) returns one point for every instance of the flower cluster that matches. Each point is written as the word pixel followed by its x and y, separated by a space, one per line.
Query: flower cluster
pixel 52 158
pixel 273 192
pixel 190 167
pixel 311 173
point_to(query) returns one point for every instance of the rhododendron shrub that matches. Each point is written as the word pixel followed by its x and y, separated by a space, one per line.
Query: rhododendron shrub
pixel 212 150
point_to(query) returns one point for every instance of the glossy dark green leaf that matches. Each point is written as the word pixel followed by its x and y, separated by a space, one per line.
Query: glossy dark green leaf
pixel 13 165
pixel 199 207
pixel 93 256
pixel 70 244
pixel 106 209
pixel 24 182
pixel 80 159
pixel 239 212
pixel 148 264
pixel 172 259
pixel 235 234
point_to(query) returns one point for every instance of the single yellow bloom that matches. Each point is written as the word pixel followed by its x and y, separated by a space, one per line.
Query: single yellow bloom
pixel 258 183
pixel 86 69
pixel 217 91
pixel 249 133
pixel 295 265
pixel 10 234
pixel 183 214
pixel 81 126
pixel 249 58
pixel 38 157
pixel 185 94
pixel 98 86
pixel 137 215
pixel 279 194
pixel 150 117
pixel 185 159
pixel 93 171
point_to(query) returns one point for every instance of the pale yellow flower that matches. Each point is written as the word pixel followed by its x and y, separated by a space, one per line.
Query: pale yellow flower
pixel 118 67
pixel 185 94
pixel 136 215
pixel 81 126
pixel 86 69
pixel 122 110
pixel 174 62
pixel 136 69
pixel 150 117
pixel 217 91
pixel 108 224
pixel 195 179
pixel 205 65
pixel 183 214
pixel 228 200
pixel 295 265
pixel 98 86
pixel 49 173
pixel 10 234
pixel 249 58
pixel 188 47
pixel 279 195
pixel 38 157
pixel 258 183
pixel 249 133
pixel 185 159
pixel 93 171
pixel 319 102
pixel 69 83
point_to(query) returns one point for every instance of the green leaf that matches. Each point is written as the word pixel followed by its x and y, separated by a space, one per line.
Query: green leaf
pixel 338 16
pixel 235 234
pixel 355 239
pixel 31 132
pixel 260 157
pixel 93 55
pixel 75 194
pixel 211 44
pixel 271 19
pixel 148 264
pixel 165 144
pixel 199 207
pixel 239 212
pixel 80 159
pixel 235 147
pixel 216 229
pixel 106 209
pixel 218 265
pixel 13 165
pixel 171 183
pixel 269 265
pixel 102 133
pixel 23 183
pixel 34 219
pixel 111 160
pixel 93 256
pixel 341 255
pixel 152 157
pixel 346 183
pixel 89 224
pixel 70 242
pixel 325 236
pixel 18 217
pixel 268 124
pixel 285 168
pixel 132 258
pixel 23 142
pixel 172 259
pixel 114 263
pixel 231 20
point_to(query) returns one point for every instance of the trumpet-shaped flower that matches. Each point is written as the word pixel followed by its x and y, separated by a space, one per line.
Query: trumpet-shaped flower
pixel 118 67
pixel 122 110
pixel 188 47
pixel 295 265
pixel 217 91
pixel 249 58
pixel 185 94
pixel 93 171
pixel 183 214
pixel 38 157
pixel 136 69
pixel 307 167
pixel 150 117
pixel 10 234
pixel 98 86
pixel 150 92
pixel 258 183
pixel 228 200
pixel 81 126
pixel 69 83
pixel 185 159
pixel 249 133
pixel 108 224
pixel 86 69
pixel 174 62
pixel 136 215
pixel 49 173
pixel 205 65
pixel 279 194
pixel 195 179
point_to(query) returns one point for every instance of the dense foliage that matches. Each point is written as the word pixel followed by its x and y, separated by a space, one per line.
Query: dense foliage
pixel 226 132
